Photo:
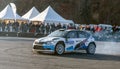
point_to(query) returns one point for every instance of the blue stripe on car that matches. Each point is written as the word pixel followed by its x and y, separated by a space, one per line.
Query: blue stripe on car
pixel 51 47
pixel 70 48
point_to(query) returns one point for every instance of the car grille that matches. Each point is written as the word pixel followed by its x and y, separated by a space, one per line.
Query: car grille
pixel 39 42
pixel 38 47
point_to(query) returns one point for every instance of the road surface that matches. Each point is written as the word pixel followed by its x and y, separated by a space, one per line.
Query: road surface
pixel 16 53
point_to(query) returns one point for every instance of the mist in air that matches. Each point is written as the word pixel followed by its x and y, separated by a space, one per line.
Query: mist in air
pixel 108 42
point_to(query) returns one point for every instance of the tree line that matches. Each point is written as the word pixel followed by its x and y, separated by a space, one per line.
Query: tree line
pixel 81 11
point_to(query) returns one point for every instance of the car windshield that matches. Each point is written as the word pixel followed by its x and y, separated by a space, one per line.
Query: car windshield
pixel 58 33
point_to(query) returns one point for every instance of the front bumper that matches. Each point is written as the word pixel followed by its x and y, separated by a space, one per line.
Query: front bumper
pixel 43 48
pixel 46 51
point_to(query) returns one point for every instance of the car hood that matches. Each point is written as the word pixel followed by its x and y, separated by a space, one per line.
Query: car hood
pixel 45 39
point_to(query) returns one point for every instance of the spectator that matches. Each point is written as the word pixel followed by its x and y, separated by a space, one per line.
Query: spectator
pixel 21 26
pixel 59 26
pixel 25 27
pixel 115 28
pixel 29 26
pixel 0 26
pixel 37 28
pixel 87 28
pixel 81 28
pixel 16 26
pixel 8 26
pixel 70 26
pixel 32 28
pixel 42 27
pixel 47 28
pixel 92 29
pixel 64 26
pixel 3 26
pixel 98 29
pixel 52 27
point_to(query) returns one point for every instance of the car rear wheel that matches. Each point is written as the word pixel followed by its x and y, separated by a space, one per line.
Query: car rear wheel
pixel 59 49
pixel 91 49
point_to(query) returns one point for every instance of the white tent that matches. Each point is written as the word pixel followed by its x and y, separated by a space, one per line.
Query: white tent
pixel 50 16
pixel 31 13
pixel 8 13
pixel 18 17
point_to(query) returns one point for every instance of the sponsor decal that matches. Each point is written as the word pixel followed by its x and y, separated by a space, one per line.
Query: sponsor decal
pixel 70 42
pixel 81 45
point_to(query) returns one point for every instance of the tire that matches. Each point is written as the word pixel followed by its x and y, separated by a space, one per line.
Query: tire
pixel 59 49
pixel 91 49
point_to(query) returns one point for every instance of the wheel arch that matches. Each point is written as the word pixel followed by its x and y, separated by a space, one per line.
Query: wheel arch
pixel 92 43
pixel 60 42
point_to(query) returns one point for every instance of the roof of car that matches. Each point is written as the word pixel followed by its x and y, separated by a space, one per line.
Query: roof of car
pixel 75 30
pixel 69 30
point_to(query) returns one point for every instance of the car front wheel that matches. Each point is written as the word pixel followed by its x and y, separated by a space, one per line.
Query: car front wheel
pixel 91 49
pixel 59 49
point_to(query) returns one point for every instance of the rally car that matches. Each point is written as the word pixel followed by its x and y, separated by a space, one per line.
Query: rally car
pixel 61 41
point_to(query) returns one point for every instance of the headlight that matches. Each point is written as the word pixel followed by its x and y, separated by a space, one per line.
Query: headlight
pixel 35 41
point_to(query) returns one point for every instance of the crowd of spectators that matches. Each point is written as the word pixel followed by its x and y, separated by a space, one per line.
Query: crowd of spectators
pixel 98 28
pixel 46 28
pixel 24 27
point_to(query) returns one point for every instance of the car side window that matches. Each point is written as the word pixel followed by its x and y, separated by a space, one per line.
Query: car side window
pixel 82 35
pixel 72 34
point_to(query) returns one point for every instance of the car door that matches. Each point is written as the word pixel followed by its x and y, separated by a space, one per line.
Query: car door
pixel 71 40
pixel 82 38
